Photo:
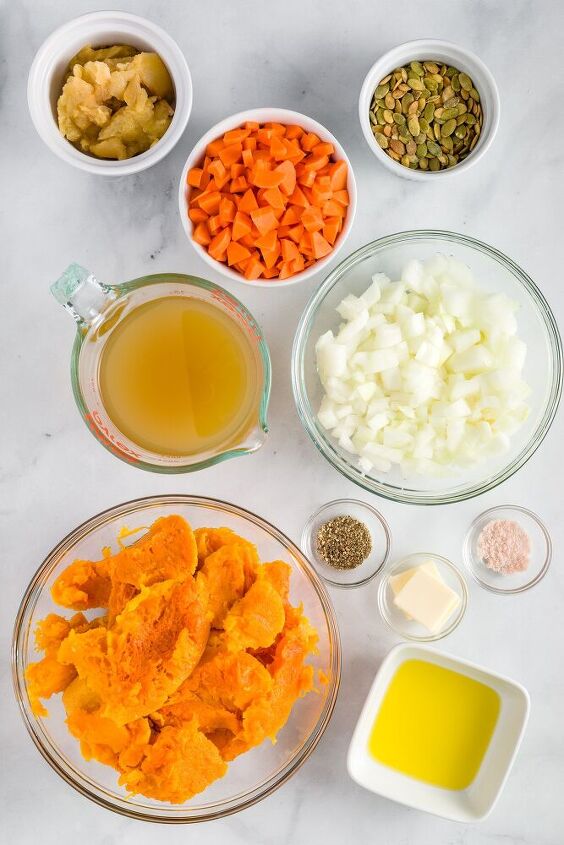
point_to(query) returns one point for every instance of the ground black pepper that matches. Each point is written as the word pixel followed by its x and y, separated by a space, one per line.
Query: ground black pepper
pixel 343 542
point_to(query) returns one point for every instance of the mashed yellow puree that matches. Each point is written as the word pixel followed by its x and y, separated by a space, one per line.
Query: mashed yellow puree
pixel 116 102
pixel 199 656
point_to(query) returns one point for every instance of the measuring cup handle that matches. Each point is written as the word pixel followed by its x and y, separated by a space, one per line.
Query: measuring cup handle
pixel 80 292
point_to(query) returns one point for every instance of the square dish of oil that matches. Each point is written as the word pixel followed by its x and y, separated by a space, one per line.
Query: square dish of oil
pixel 438 733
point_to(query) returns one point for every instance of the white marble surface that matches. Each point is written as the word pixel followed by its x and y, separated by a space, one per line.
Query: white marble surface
pixel 53 475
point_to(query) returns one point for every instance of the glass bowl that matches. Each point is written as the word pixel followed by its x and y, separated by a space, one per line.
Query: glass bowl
pixel 495 272
pixel 396 619
pixel 379 533
pixel 255 774
pixel 540 555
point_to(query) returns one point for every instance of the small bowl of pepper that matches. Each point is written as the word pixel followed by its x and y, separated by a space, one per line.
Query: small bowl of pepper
pixel 347 541
pixel 429 109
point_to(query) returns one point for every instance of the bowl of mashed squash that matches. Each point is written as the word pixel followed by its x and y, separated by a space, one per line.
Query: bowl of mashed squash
pixel 176 659
pixel 110 93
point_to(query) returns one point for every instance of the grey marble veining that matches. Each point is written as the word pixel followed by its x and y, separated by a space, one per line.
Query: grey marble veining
pixel 53 475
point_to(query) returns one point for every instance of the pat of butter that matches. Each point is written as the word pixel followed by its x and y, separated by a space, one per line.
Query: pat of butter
pixel 427 600
pixel 398 582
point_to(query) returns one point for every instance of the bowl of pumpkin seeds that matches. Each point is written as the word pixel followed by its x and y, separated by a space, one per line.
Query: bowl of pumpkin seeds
pixel 429 109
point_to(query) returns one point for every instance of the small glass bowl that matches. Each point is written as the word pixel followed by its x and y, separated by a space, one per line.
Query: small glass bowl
pixel 379 532
pixel 516 582
pixel 396 618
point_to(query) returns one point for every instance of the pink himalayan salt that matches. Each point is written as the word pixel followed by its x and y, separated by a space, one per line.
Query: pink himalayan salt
pixel 504 546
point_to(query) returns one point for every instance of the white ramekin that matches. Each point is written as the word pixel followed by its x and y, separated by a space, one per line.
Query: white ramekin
pixel 104 29
pixel 264 115
pixel 427 49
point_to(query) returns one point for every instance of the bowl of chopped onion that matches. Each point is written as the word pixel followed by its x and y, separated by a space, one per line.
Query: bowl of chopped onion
pixel 427 368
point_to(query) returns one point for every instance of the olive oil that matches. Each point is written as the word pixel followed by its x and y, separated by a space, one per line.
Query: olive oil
pixel 434 724
pixel 176 377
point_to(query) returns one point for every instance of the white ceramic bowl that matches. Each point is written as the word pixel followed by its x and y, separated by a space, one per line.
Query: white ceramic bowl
pixel 264 115
pixel 428 49
pixel 466 805
pixel 102 29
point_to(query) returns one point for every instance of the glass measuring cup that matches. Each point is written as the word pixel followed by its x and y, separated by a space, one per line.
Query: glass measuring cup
pixel 99 308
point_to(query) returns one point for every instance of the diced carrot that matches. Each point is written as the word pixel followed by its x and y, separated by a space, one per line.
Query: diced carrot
pixel 238 185
pixel 333 209
pixel 229 155
pixel 296 233
pixel 288 171
pixel 312 218
pixel 227 209
pixel 252 125
pixel 342 197
pixel 253 269
pixel 247 158
pixel 205 180
pixel 236 170
pixel 314 162
pixel 270 273
pixel 274 198
pixel 305 177
pixel 250 144
pixel 219 244
pixel 320 194
pixel 236 253
pixel 322 149
pixel 331 229
pixel 270 257
pixel 298 198
pixel 210 202
pixel 242 225
pixel 201 234
pixel 264 219
pixel 285 271
pixel 294 131
pixel 248 240
pixel 294 152
pixel 278 148
pixel 197 215
pixel 219 172
pixel 320 245
pixel 309 141
pixel 214 224
pixel 264 136
pixel 248 202
pixel 339 174
pixel 267 242
pixel 263 178
pixel 289 250
pixel 277 129
pixel 213 149
pixel 291 216
pixel 297 264
pixel 236 136
pixel 195 177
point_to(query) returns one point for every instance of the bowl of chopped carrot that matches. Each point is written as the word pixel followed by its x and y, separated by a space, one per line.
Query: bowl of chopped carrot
pixel 176 659
pixel 267 196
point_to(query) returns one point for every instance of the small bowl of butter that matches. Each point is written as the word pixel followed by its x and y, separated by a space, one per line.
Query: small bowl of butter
pixel 422 597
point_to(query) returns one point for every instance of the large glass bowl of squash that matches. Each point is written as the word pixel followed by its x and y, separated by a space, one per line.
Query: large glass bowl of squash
pixel 176 659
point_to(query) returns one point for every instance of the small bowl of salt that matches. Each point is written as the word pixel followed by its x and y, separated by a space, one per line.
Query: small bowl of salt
pixel 507 549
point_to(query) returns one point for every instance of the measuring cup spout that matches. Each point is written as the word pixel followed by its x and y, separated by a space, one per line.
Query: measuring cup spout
pixel 80 292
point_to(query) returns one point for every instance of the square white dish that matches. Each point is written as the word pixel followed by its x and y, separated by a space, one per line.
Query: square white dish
pixel 468 805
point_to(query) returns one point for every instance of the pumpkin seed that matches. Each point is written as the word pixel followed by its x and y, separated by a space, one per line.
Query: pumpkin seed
pixel 424 163
pixel 421 151
pixel 432 67
pixel 389 101
pixel 411 148
pixel 413 125
pixel 417 68
pixel 388 116
pixel 465 81
pixel 433 148
pixel 448 128
pixel 381 91
pixel 434 164
pixel 460 131
pixel 416 84
pixel 382 140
